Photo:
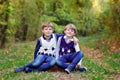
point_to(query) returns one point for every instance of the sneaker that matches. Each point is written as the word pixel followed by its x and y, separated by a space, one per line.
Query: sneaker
pixel 20 69
pixel 27 70
pixel 82 69
pixel 67 71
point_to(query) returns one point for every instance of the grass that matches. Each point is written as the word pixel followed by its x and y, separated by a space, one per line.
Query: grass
pixel 90 40
pixel 105 67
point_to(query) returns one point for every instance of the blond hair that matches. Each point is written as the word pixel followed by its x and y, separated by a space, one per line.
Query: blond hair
pixel 71 26
pixel 47 24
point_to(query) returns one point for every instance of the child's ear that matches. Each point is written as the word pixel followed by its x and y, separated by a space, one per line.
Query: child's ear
pixel 75 35
pixel 42 31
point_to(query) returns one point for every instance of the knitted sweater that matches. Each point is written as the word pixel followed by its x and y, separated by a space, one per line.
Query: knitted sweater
pixel 43 46
pixel 66 46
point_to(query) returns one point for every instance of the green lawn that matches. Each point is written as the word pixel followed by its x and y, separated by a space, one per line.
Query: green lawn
pixel 105 67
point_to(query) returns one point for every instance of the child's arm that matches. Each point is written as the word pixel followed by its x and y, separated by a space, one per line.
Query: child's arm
pixel 75 39
pixel 38 45
pixel 77 49
pixel 58 35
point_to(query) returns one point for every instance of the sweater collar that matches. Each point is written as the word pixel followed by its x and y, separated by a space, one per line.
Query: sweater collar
pixel 51 36
pixel 68 39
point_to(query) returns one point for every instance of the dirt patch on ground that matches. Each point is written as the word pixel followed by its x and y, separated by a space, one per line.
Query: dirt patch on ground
pixel 64 76
pixel 90 52
pixel 96 56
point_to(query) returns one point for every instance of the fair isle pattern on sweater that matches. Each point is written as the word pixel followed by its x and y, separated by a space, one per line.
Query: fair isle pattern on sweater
pixel 48 47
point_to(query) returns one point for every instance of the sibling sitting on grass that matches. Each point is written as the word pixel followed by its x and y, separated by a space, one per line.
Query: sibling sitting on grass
pixel 68 50
pixel 44 52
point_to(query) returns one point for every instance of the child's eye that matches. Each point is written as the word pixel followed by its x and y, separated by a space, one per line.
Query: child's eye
pixel 68 29
pixel 72 30
pixel 50 29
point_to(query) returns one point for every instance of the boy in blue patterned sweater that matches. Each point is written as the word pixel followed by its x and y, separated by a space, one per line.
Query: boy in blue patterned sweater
pixel 68 50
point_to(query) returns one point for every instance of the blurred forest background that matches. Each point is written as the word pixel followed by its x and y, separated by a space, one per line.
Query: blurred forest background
pixel 98 31
pixel 20 20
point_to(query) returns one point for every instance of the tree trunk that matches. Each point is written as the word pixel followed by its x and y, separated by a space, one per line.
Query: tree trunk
pixel 4 27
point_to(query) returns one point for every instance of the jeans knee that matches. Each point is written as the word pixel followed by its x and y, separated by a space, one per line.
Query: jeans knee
pixel 58 62
pixel 35 64
pixel 52 62
pixel 80 54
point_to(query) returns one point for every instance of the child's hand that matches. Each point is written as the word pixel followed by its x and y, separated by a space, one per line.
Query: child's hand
pixel 75 39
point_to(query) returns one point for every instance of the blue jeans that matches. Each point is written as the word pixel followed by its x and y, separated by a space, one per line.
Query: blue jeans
pixel 38 62
pixel 68 60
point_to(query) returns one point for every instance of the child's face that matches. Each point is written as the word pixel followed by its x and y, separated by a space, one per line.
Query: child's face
pixel 47 31
pixel 69 32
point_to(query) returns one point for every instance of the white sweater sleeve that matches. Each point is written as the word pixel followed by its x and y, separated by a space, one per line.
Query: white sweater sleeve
pixel 80 62
pixel 77 47
pixel 58 48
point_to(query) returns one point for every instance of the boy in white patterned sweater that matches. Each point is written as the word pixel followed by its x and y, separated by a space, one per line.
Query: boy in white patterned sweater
pixel 44 52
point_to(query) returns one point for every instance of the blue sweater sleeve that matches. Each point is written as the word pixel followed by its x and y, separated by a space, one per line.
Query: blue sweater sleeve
pixel 59 35
pixel 38 45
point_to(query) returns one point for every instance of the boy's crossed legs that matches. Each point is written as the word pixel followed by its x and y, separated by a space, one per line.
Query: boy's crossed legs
pixel 37 64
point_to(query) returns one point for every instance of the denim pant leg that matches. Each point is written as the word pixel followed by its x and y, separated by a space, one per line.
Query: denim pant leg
pixel 74 58
pixel 62 61
pixel 37 61
pixel 49 62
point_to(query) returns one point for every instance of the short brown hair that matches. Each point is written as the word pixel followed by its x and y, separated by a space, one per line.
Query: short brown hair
pixel 71 26
pixel 47 24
